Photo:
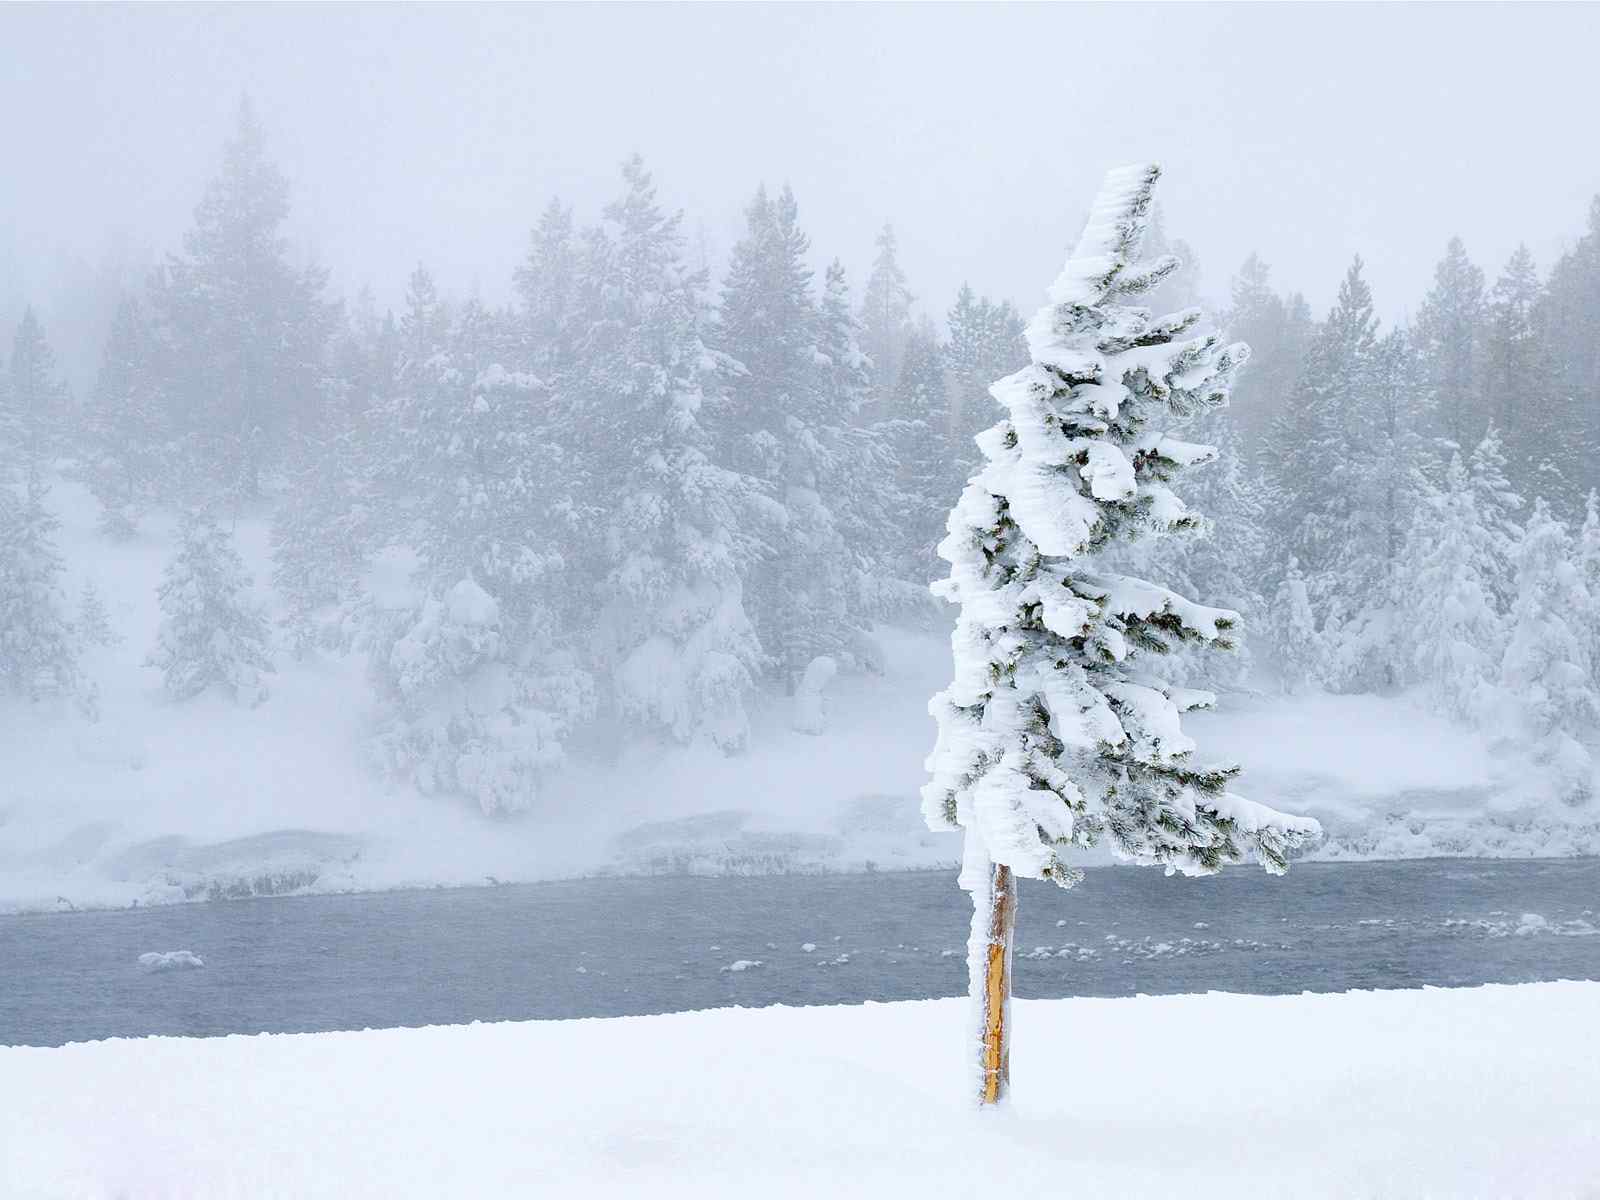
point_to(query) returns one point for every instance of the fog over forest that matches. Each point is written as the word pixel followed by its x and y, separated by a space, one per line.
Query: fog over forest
pixel 528 426
pixel 570 573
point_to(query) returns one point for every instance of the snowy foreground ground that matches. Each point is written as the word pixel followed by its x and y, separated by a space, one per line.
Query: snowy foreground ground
pixel 160 802
pixel 1491 1092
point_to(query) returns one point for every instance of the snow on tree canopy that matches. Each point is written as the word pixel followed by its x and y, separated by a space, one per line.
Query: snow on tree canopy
pixel 1051 736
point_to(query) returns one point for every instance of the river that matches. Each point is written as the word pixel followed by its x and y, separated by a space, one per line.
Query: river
pixel 615 946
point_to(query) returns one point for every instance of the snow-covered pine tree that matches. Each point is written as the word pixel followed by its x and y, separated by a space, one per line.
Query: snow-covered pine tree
pixel 1280 328
pixel 885 317
pixel 1451 607
pixel 425 321
pixel 863 495
pixel 1498 527
pixel 1548 670
pixel 37 396
pixel 210 632
pixel 674 528
pixel 1294 633
pixel 1341 452
pixel 478 682
pixel 1320 439
pixel 121 455
pixel 784 424
pixel 245 327
pixel 1368 650
pixel 1448 334
pixel 1569 314
pixel 1052 734
pixel 547 283
pixel 1229 561
pixel 985 343
pixel 38 655
pixel 927 469
pixel 93 625
pixel 1589 568
pixel 1515 373
pixel 322 535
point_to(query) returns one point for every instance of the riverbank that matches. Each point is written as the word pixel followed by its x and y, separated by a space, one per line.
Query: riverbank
pixel 159 803
pixel 1482 1092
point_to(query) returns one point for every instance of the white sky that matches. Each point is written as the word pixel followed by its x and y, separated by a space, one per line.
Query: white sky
pixel 1307 133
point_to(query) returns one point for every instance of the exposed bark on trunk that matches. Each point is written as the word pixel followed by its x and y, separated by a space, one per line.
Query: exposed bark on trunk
pixel 994 918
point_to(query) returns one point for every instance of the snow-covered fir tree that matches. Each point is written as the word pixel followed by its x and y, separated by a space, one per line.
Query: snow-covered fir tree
pixel 38 653
pixel 985 343
pixel 673 529
pixel 1548 669
pixel 121 453
pixel 1053 734
pixel 1569 314
pixel 547 282
pixel 210 631
pixel 1589 569
pixel 478 681
pixel 1228 560
pixel 926 468
pixel 322 536
pixel 862 490
pixel 244 328
pixel 1293 629
pixel 1515 373
pixel 1498 511
pixel 36 397
pixel 1280 328
pixel 462 714
pixel 886 316
pixel 93 624
pixel 1458 631
pixel 785 424
pixel 1448 334
pixel 1343 457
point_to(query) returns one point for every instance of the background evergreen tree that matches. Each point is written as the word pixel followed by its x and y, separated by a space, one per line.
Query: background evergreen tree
pixel 985 343
pixel 38 653
pixel 93 624
pixel 1458 630
pixel 246 330
pixel 1448 334
pixel 885 317
pixel 1497 509
pixel 1569 315
pixel 672 530
pixel 210 632
pixel 37 398
pixel 787 421
pixel 121 451
pixel 1293 629
pixel 1515 372
pixel 1280 332
pixel 1547 669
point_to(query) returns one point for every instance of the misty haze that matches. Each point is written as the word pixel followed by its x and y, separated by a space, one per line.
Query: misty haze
pixel 710 516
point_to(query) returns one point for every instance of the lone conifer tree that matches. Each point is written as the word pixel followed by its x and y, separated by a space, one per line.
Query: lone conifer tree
pixel 1052 735
pixel 209 632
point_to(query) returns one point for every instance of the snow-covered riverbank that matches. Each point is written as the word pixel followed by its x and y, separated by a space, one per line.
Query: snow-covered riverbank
pixel 160 802
pixel 1478 1092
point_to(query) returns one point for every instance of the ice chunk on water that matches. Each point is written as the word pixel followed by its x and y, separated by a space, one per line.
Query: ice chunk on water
pixel 171 960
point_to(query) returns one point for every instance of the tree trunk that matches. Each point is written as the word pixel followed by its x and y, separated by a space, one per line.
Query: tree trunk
pixel 994 916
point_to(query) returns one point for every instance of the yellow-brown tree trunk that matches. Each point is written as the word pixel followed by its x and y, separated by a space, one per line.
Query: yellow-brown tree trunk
pixel 993 921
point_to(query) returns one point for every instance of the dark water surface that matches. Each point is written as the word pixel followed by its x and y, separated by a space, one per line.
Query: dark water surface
pixel 607 947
